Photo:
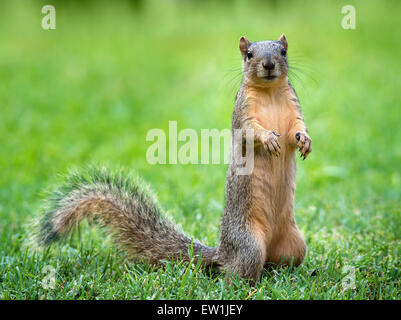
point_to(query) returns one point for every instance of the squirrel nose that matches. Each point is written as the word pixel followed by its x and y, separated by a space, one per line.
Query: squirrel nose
pixel 268 65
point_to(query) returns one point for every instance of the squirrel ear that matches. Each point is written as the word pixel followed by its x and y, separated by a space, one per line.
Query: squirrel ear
pixel 244 44
pixel 283 41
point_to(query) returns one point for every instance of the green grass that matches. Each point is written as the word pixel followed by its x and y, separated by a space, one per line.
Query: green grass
pixel 91 89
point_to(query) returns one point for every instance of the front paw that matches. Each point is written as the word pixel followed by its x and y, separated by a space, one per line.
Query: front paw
pixel 304 143
pixel 269 140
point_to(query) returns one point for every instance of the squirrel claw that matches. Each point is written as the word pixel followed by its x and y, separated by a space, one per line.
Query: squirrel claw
pixel 270 142
pixel 304 144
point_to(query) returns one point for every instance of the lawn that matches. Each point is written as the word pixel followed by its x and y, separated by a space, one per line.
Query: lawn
pixel 89 91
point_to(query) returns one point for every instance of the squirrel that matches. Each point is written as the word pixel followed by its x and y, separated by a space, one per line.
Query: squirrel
pixel 258 228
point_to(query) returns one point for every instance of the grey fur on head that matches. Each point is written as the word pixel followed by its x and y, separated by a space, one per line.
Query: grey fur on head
pixel 266 60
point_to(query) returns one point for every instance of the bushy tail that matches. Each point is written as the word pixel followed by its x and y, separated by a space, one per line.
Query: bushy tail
pixel 127 208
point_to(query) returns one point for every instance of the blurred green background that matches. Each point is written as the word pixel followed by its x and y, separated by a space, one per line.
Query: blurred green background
pixel 90 90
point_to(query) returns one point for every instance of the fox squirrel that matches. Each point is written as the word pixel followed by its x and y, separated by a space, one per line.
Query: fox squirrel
pixel 258 225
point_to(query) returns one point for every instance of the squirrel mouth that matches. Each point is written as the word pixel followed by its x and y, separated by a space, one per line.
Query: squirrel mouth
pixel 270 78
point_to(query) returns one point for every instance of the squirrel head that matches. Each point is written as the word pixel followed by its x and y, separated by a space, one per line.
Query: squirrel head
pixel 264 62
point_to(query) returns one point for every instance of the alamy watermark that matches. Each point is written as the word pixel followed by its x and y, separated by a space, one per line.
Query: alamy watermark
pixel 49 280
pixel 347 22
pixel 240 151
pixel 348 282
pixel 349 19
pixel 49 20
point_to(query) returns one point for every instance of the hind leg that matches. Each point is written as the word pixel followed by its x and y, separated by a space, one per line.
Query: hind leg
pixel 248 263
pixel 245 257
pixel 288 245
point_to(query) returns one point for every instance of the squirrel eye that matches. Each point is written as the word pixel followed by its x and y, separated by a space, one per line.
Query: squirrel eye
pixel 249 55
pixel 283 52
